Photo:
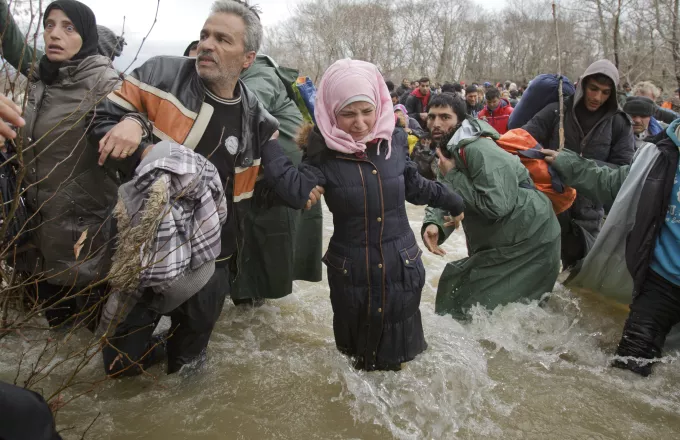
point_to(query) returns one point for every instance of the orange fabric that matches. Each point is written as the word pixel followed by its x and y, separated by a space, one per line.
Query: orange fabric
pixel 517 140
pixel 245 182
pixel 164 115
pixel 667 104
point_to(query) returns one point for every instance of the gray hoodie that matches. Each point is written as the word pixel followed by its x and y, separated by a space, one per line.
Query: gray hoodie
pixel 609 142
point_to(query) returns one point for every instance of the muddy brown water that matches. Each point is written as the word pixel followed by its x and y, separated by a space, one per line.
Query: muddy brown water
pixel 521 371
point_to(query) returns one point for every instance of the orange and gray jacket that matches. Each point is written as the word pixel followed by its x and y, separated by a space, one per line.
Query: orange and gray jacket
pixel 166 96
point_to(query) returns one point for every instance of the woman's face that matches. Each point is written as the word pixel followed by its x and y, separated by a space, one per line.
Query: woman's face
pixel 62 41
pixel 357 119
pixel 401 117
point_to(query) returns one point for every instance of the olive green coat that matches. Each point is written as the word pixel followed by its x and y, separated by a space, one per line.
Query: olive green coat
pixel 283 244
pixel 512 233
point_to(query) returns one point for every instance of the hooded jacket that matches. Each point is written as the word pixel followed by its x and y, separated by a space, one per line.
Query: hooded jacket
pixel 287 244
pixel 499 117
pixel 510 228
pixel 610 141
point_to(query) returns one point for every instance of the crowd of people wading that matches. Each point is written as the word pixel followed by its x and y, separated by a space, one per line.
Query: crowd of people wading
pixel 197 179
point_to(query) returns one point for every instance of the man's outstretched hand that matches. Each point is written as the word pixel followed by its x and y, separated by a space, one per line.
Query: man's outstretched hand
pixel 431 240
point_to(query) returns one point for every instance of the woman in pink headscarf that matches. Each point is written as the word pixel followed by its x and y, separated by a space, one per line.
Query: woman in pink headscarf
pixel 375 271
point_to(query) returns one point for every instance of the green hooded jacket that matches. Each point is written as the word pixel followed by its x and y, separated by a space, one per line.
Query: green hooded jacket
pixel 278 252
pixel 512 232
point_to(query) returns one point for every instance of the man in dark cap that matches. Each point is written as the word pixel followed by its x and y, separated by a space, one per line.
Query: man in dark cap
pixel 192 49
pixel 110 45
pixel 640 109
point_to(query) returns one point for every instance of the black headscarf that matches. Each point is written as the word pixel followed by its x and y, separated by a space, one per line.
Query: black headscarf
pixel 85 23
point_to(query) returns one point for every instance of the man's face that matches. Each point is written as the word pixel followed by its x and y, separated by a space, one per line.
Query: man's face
pixel 441 121
pixel 395 100
pixel 493 103
pixel 640 123
pixel 405 82
pixel 596 94
pixel 471 98
pixel 221 53
pixel 424 88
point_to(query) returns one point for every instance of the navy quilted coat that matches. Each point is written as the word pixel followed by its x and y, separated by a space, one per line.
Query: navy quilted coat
pixel 374 263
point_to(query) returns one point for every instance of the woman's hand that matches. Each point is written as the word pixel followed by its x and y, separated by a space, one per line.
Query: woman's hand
pixel 445 164
pixel 550 155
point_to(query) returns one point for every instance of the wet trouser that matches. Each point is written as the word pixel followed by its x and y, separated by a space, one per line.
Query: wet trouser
pixel 67 306
pixel 132 347
pixel 654 311
pixel 24 415
pixel 576 241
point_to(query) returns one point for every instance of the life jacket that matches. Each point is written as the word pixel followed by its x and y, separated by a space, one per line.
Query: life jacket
pixel 520 143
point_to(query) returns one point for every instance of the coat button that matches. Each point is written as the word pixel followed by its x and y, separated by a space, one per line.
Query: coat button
pixel 407 262
pixel 374 172
pixel 379 219
pixel 380 310
pixel 345 271
pixel 380 266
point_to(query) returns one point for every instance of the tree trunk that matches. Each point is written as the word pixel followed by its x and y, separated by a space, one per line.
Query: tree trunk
pixel 675 44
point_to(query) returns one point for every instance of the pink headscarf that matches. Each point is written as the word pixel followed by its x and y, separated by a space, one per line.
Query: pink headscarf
pixel 342 81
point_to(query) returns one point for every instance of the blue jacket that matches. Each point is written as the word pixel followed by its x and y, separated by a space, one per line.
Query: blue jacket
pixel 666 254
pixel 654 127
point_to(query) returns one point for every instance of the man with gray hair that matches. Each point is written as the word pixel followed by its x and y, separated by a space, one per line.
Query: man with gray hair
pixel 647 89
pixel 200 103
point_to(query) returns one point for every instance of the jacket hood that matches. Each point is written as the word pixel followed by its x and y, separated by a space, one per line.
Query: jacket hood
pixel 673 132
pixel 470 130
pixel 604 67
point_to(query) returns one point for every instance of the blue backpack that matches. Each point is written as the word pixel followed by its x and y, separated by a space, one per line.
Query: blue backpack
pixel 542 90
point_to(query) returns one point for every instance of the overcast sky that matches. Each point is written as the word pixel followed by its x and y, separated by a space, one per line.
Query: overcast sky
pixel 179 22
